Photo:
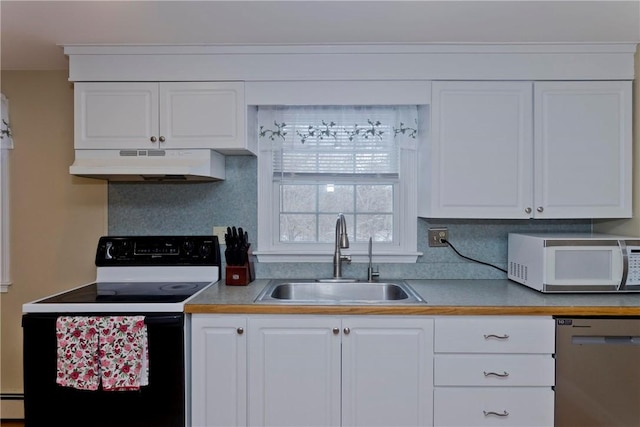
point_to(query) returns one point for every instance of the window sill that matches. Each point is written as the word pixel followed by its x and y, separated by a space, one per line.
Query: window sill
pixel 324 257
pixel 4 287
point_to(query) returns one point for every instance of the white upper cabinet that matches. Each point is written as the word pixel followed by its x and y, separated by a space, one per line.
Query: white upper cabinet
pixel 143 115
pixel 479 165
pixel 582 143
pixel 529 150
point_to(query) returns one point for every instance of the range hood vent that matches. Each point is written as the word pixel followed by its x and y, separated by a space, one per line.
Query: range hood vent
pixel 150 165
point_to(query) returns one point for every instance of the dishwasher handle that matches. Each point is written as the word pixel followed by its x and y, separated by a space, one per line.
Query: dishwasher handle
pixel 604 340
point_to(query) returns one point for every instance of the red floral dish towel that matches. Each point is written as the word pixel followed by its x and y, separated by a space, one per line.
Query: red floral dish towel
pixel 112 350
pixel 77 352
pixel 122 353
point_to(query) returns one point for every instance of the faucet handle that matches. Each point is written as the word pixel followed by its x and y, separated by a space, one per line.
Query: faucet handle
pixel 372 274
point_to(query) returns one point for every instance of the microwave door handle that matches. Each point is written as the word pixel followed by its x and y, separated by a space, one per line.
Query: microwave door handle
pixel 625 264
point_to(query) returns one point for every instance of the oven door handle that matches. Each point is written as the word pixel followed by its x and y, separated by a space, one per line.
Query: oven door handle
pixel 176 319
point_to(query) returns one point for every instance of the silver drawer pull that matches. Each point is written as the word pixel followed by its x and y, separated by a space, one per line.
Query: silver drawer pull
pixel 497 337
pixel 504 374
pixel 497 414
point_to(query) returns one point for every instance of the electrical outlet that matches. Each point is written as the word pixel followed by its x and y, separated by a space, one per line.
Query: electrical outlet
pixel 220 232
pixel 436 235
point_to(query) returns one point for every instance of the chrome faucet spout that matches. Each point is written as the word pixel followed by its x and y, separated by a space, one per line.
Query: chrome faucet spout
pixel 371 273
pixel 342 242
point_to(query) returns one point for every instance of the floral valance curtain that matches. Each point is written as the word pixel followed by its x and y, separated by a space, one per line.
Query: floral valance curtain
pixel 336 140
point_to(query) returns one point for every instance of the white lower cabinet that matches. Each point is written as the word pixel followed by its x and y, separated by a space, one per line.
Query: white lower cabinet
pixel 308 370
pixel 494 371
pixel 294 371
pixel 312 371
pixel 218 371
pixel 332 371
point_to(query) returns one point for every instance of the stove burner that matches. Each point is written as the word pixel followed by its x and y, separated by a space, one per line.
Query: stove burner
pixel 172 287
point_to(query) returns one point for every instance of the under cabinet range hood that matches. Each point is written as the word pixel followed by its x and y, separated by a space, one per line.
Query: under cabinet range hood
pixel 149 165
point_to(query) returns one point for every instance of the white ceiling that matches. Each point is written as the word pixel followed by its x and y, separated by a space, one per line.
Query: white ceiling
pixel 31 31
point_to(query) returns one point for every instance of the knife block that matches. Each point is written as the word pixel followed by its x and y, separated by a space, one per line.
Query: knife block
pixel 239 275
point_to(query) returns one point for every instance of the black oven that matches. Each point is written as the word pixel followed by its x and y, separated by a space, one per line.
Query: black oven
pixel 160 404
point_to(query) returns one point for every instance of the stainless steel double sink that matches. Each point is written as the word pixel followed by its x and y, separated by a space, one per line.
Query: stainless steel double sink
pixel 309 291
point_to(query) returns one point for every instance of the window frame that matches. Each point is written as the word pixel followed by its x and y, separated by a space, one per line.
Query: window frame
pixel 271 250
pixel 6 144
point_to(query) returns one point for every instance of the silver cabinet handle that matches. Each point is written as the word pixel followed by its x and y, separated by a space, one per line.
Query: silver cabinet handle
pixel 346 331
pixel 336 331
pixel 527 210
pixel 162 139
pixel 153 139
pixel 497 414
pixel 540 209
pixel 497 337
pixel 240 331
pixel 504 374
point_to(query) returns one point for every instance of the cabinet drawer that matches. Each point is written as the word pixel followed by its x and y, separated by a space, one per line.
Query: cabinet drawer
pixel 494 370
pixel 480 407
pixel 495 335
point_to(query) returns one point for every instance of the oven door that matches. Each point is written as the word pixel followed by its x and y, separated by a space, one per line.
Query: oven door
pixel 161 403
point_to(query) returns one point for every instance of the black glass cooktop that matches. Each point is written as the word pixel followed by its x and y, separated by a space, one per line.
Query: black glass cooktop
pixel 128 292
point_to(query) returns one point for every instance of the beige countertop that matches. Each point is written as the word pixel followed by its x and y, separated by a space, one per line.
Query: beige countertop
pixel 443 297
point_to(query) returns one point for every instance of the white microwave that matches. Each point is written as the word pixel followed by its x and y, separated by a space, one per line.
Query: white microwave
pixel 575 262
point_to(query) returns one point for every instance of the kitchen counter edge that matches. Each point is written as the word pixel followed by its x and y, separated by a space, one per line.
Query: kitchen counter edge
pixel 443 297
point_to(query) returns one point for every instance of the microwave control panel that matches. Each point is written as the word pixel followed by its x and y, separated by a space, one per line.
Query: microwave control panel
pixel 633 257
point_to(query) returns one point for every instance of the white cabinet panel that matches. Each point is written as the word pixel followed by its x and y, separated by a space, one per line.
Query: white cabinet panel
pixel 116 115
pixel 202 114
pixel 294 371
pixel 480 159
pixel 386 371
pixel 480 407
pixel 494 335
pixel 494 370
pixel 583 149
pixel 219 380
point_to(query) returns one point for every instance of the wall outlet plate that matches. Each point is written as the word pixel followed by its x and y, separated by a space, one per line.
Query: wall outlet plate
pixel 436 235
pixel 220 232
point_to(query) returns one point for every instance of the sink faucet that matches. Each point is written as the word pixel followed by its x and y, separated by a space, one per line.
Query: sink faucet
pixel 342 242
pixel 371 273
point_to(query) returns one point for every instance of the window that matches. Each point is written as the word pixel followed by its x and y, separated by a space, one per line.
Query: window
pixel 317 162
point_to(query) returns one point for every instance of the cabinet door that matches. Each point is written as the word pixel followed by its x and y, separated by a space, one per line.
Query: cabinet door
pixel 294 371
pixel 116 115
pixel 387 374
pixel 202 115
pixel 583 149
pixel 480 162
pixel 219 371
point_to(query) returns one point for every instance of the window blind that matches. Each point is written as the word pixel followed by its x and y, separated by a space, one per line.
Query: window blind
pixel 336 141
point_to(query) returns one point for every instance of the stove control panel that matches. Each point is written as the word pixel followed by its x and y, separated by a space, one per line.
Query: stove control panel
pixel 157 250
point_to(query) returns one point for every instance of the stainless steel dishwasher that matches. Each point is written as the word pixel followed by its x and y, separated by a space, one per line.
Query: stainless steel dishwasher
pixel 597 372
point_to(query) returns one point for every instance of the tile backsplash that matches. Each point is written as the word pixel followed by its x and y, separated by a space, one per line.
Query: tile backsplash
pixel 194 208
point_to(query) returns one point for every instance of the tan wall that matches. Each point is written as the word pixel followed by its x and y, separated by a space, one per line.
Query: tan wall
pixel 55 218
pixel 629 227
